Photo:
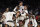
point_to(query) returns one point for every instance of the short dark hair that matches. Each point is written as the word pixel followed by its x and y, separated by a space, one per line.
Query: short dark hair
pixel 26 5
pixel 20 1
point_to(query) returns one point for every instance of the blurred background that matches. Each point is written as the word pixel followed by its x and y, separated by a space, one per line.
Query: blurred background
pixel 33 5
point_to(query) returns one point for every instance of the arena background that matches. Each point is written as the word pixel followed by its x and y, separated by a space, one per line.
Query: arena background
pixel 33 4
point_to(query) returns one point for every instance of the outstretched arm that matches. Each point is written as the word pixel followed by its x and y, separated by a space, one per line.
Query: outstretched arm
pixel 15 8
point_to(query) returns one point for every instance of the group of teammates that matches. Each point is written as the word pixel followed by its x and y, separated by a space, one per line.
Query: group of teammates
pixel 19 17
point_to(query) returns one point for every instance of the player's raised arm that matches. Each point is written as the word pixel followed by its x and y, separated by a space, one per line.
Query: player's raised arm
pixel 15 8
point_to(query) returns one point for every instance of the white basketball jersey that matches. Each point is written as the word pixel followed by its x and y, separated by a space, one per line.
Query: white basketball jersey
pixel 23 16
pixel 8 15
pixel 20 8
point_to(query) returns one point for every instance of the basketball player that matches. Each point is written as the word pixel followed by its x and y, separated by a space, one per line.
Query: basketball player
pixel 4 14
pixel 32 18
pixel 27 16
pixel 23 13
pixel 34 22
pixel 9 20
pixel 19 8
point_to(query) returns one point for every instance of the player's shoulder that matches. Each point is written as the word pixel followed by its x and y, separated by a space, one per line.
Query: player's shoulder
pixel 12 12
pixel 5 13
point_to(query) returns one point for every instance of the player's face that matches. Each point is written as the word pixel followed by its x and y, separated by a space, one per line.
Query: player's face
pixel 25 7
pixel 17 13
pixel 21 3
pixel 7 9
